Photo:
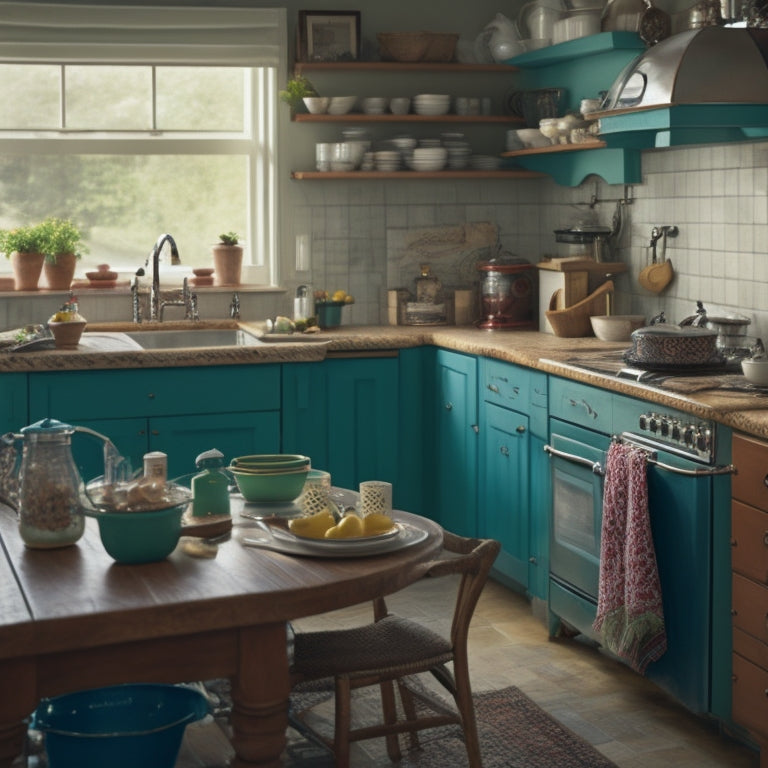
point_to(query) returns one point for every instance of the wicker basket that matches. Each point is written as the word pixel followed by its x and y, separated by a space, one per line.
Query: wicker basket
pixel 417 46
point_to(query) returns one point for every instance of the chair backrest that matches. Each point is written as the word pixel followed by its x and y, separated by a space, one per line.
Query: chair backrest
pixel 472 558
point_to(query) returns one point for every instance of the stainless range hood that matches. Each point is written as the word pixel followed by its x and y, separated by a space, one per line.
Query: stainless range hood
pixel 711 65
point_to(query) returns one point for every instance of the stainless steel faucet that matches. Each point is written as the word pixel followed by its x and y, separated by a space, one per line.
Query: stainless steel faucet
pixel 154 295
pixel 234 306
pixel 184 298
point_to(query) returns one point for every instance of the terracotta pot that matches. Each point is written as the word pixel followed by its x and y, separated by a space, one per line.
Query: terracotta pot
pixel 26 270
pixel 60 273
pixel 227 264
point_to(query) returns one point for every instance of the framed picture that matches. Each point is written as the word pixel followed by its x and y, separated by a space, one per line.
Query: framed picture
pixel 329 35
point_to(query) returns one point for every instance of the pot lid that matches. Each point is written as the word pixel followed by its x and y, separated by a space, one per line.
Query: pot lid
pixel 47 426
pixel 737 320
pixel 581 234
pixel 689 68
pixel 665 329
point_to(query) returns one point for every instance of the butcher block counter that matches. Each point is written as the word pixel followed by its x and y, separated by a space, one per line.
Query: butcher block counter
pixel 712 397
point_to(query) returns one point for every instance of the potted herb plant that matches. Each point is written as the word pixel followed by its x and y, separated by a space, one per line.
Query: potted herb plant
pixel 25 249
pixel 62 244
pixel 296 90
pixel 227 259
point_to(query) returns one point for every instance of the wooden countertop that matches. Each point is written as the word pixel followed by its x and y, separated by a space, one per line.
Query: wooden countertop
pixel 743 411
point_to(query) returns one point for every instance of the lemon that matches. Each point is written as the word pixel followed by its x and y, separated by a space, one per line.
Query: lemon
pixel 314 526
pixel 376 523
pixel 339 296
pixel 349 527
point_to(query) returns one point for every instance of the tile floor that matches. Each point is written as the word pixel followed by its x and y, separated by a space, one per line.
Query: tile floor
pixel 628 719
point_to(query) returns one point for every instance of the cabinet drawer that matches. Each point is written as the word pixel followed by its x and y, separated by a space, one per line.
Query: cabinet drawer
pixel 749 537
pixel 750 457
pixel 77 395
pixel 750 648
pixel 581 404
pixel 750 695
pixel 512 386
pixel 750 607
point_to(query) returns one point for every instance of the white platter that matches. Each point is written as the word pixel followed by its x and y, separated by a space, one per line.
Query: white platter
pixel 407 536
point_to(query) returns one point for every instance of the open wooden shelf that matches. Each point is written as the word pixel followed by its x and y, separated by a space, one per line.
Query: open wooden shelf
pixel 398 66
pixel 359 117
pixel 554 148
pixel 412 175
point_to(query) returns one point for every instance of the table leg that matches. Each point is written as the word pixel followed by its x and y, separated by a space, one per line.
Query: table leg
pixel 17 700
pixel 260 693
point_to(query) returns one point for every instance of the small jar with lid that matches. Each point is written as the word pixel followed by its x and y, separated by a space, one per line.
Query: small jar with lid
pixel 49 487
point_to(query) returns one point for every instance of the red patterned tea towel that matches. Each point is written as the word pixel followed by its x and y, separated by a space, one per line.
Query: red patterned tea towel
pixel 630 614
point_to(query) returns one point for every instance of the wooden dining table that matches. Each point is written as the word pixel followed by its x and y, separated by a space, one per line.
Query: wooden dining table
pixel 73 619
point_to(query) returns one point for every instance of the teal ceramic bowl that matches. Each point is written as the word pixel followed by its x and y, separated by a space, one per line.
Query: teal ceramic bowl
pixel 271 462
pixel 140 537
pixel 267 489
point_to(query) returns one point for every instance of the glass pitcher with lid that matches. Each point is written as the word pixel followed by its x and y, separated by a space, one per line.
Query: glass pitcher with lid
pixel 49 487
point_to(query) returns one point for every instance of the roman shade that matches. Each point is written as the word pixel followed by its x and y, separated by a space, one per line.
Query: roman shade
pixel 118 34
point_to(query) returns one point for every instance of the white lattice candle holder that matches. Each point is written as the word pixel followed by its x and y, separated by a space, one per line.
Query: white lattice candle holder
pixel 316 494
pixel 375 497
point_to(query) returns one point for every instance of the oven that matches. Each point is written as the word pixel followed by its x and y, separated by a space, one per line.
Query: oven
pixel 688 488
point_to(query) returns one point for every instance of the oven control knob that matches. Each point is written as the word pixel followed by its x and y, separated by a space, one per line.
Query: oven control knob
pixel 642 422
pixel 664 427
pixel 675 433
pixel 689 436
pixel 653 423
pixel 704 440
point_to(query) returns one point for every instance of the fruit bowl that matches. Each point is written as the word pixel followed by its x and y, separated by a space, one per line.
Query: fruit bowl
pixel 270 488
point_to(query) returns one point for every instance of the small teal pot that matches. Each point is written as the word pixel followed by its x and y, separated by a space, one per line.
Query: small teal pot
pixel 329 314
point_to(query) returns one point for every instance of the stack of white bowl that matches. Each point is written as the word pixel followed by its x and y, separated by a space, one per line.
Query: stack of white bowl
pixel 431 104
pixel 429 158
pixel 458 155
pixel 387 160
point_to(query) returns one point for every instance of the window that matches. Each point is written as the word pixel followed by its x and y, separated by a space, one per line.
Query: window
pixel 131 140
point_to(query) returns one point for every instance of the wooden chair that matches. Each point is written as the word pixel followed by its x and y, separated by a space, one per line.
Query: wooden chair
pixel 392 648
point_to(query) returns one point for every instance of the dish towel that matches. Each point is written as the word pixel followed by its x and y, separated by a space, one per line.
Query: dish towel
pixel 630 614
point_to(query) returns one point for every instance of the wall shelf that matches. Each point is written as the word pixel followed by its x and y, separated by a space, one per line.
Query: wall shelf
pixel 412 175
pixel 359 117
pixel 399 66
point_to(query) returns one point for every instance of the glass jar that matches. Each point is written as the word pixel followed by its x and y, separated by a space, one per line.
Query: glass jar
pixel 49 487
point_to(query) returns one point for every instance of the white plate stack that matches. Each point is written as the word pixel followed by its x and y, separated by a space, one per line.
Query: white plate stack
pixel 485 162
pixel 429 159
pixel 458 154
pixel 387 160
pixel 431 104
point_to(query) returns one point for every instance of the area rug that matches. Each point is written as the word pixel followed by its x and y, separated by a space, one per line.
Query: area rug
pixel 514 733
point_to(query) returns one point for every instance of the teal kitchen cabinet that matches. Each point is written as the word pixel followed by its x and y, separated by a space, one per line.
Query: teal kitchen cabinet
pixel 13 402
pixel 343 414
pixel 451 399
pixel 180 411
pixel 513 476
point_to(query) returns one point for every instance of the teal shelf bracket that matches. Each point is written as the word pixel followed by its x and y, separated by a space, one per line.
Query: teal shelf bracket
pixel 569 169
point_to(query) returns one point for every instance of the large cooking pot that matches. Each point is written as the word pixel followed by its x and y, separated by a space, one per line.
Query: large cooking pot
pixel 673 346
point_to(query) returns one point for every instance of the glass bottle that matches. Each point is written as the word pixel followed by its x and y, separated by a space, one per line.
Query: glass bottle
pixel 49 487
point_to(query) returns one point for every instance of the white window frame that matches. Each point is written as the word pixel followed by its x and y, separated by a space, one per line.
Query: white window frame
pixel 252 38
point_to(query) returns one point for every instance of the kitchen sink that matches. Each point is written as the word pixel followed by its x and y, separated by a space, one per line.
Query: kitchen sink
pixel 183 339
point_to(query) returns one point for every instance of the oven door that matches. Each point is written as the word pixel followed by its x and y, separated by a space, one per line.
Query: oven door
pixel 578 464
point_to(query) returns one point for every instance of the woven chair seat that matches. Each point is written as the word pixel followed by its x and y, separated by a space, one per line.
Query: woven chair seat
pixel 393 642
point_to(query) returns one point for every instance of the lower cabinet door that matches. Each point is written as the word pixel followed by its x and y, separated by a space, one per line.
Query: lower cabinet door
pixel 183 438
pixel 343 414
pixel 503 498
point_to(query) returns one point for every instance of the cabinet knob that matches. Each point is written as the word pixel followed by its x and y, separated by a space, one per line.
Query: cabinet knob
pixel 765 538
pixel 151 396
pixel 520 429
pixel 493 388
pixel 449 406
pixel 734 543
pixel 765 481
pixel 476 429
pixel 532 560
pixel 503 450
pixel 155 432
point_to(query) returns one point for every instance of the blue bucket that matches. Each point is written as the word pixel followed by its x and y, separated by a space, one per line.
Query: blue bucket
pixel 122 726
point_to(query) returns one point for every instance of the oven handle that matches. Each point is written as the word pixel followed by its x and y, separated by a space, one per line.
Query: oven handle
pixel 596 467
pixel 727 469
